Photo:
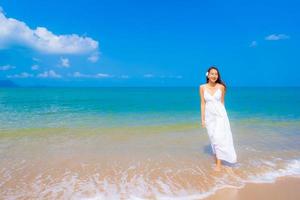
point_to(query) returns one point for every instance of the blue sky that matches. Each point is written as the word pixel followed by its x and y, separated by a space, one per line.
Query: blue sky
pixel 149 43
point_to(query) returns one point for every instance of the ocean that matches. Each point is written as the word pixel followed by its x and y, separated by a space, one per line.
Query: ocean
pixel 140 142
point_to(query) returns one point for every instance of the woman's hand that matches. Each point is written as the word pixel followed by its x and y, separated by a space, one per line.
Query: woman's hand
pixel 203 124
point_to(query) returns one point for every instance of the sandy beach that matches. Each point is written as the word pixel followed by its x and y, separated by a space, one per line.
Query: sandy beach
pixel 284 188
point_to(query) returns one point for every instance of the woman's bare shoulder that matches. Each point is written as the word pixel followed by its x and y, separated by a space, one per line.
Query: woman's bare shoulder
pixel 202 85
pixel 221 86
pixel 201 89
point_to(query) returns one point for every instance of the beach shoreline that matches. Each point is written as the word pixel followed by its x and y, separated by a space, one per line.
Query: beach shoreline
pixel 287 188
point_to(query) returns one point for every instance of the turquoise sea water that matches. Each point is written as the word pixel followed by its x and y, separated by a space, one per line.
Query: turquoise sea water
pixel 139 143
pixel 117 107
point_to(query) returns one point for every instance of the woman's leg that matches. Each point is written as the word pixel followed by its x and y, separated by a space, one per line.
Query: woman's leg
pixel 218 163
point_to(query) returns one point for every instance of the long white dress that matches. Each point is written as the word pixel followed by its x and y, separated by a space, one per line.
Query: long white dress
pixel 218 127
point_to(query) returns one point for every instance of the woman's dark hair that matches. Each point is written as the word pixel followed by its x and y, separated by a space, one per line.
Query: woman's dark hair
pixel 219 80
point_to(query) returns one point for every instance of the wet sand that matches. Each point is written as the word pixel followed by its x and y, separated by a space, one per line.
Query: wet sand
pixel 284 188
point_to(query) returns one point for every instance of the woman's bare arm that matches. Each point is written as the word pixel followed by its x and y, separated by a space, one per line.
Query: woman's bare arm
pixel 223 94
pixel 201 92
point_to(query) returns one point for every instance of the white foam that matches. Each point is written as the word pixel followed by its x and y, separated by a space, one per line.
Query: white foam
pixel 292 168
pixel 137 187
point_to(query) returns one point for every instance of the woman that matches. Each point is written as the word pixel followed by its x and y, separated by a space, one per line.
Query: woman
pixel 214 117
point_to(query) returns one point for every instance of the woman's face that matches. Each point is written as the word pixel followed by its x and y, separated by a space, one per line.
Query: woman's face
pixel 213 75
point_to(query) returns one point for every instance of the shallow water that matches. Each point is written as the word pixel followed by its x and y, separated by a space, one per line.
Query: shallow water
pixel 132 143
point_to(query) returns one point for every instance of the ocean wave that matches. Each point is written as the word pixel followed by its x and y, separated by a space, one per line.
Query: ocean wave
pixel 131 184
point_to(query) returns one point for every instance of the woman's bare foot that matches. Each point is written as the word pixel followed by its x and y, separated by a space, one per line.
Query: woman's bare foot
pixel 218 164
pixel 217 168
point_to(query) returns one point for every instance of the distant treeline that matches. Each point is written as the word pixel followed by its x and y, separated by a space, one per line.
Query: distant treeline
pixel 7 83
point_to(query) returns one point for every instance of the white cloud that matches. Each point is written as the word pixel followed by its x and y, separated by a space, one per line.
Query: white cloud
pixel 124 76
pixel 76 74
pixel 13 31
pixel 22 75
pixel 35 67
pixel 35 59
pixel 102 75
pixel 80 75
pixel 162 76
pixel 6 67
pixel 64 62
pixel 94 57
pixel 49 74
pixel 99 75
pixel 253 44
pixel 277 37
pixel 177 76
pixel 172 76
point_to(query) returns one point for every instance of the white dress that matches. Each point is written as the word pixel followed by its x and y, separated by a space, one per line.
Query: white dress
pixel 218 127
